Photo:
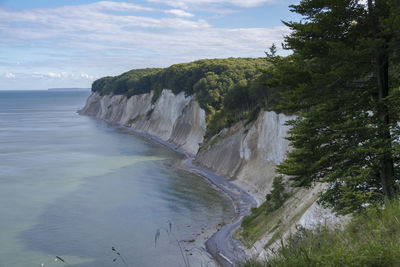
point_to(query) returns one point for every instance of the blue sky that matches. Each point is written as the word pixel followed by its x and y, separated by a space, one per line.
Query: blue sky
pixel 70 43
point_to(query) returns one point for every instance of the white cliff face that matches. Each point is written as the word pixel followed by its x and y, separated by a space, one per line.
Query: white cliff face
pixel 136 106
pixel 272 133
pixel 189 128
pixel 176 119
pixel 105 107
pixel 249 155
pixel 264 147
pixel 165 114
pixel 317 215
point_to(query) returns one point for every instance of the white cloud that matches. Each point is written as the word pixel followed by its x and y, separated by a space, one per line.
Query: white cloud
pixel 186 4
pixel 9 75
pixel 88 18
pixel 179 13
pixel 106 38
pixel 61 75
pixel 92 29
pixel 54 75
pixel 118 6
pixel 86 76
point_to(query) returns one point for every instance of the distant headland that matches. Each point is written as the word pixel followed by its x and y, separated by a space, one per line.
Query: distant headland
pixel 68 89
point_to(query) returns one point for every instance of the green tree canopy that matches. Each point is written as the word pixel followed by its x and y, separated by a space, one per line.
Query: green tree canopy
pixel 342 81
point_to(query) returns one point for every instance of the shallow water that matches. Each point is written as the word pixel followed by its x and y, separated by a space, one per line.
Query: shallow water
pixel 73 186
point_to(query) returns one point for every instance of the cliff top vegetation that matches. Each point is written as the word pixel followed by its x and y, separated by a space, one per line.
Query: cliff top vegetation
pixel 228 90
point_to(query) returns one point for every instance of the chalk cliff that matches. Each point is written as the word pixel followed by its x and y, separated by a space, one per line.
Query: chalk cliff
pixel 245 154
pixel 248 154
pixel 177 119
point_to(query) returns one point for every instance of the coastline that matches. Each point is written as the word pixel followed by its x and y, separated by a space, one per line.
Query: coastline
pixel 221 246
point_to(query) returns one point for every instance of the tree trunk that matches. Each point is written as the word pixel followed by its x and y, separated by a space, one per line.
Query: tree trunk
pixel 386 161
pixel 386 170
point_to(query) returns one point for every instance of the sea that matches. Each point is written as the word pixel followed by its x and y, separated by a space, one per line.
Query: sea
pixel 78 191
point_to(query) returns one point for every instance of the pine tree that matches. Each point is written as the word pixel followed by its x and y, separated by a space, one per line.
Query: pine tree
pixel 342 81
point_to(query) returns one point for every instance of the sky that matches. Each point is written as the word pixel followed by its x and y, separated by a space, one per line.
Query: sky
pixel 70 43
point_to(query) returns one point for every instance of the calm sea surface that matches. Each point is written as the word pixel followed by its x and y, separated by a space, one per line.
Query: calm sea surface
pixel 74 187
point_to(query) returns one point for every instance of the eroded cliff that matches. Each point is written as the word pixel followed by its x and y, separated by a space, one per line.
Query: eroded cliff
pixel 247 155
pixel 176 119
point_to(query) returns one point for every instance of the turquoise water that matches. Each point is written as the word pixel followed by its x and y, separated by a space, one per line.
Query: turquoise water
pixel 73 186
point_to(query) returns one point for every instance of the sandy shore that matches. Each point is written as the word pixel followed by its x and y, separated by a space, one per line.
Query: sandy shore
pixel 221 245
pixel 223 248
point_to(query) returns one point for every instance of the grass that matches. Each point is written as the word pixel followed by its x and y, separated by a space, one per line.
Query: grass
pixel 370 239
pixel 263 221
pixel 257 224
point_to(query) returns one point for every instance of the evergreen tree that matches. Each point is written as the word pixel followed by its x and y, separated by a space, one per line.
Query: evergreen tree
pixel 342 81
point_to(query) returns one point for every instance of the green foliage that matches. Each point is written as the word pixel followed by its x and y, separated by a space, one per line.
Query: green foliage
pixel 227 89
pixel 273 202
pixel 278 195
pixel 129 83
pixel 342 81
pixel 370 239
pixel 252 224
pixel 253 114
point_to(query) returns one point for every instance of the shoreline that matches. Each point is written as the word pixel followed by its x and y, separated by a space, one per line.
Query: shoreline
pixel 221 246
